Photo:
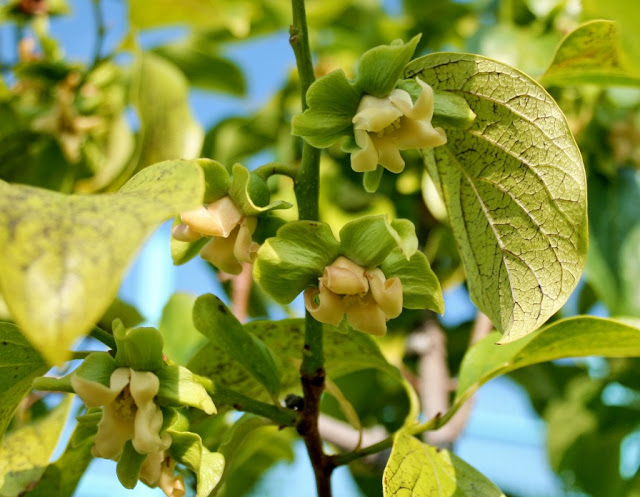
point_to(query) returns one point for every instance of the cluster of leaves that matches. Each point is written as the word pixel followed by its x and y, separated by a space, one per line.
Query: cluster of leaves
pixel 501 206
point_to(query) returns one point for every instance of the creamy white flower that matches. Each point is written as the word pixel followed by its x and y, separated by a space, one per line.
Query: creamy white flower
pixel 158 471
pixel 230 229
pixel 129 412
pixel 384 126
pixel 364 295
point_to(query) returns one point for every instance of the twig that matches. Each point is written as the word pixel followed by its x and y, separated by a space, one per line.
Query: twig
pixel 100 33
pixel 103 336
pixel 345 437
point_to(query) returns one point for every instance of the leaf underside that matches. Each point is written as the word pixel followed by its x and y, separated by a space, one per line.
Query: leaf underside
pixel 515 190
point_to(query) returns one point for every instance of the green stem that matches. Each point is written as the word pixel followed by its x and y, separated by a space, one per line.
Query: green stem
pixel 306 189
pixel 103 336
pixel 282 416
pixel 100 32
pixel 50 384
pixel 271 168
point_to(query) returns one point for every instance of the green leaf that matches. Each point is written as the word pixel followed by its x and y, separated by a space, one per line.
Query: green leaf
pixel 216 179
pixel 62 477
pixel 20 363
pixel 139 349
pixel 371 179
pixel 178 387
pixel 573 337
pixel 168 130
pixel 294 259
pixel 200 61
pixel 515 191
pixel 215 321
pixel 63 256
pixel 242 195
pixel 181 338
pixel 332 101
pixel 97 367
pixel 25 453
pixel 416 469
pixel 208 466
pixel 251 448
pixel 420 286
pixel 613 266
pixel 344 354
pixel 380 68
pixel 591 53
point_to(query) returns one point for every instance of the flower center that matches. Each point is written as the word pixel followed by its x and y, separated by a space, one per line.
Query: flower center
pixel 124 405
pixel 387 130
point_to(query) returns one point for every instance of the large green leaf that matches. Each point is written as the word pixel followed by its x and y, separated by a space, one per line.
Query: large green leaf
pixel 515 190
pixel 63 256
pixel 62 476
pixel 215 321
pixel 416 469
pixel 20 363
pixel 168 130
pixel 613 265
pixel 591 54
pixel 344 353
pixel 573 337
pixel 25 453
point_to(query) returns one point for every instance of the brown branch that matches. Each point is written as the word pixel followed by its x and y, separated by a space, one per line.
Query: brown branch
pixel 435 381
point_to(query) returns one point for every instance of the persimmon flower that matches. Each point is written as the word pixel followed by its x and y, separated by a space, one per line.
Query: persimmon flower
pixel 230 229
pixel 364 295
pixel 129 412
pixel 158 471
pixel 384 126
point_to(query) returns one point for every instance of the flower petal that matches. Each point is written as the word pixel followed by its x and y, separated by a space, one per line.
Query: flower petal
pixel 386 292
pixel 184 233
pixel 220 252
pixel 374 114
pixel 244 249
pixel 152 468
pixel 366 315
pixel 217 219
pixel 345 277
pixel 388 154
pixel 365 159
pixel 329 308
pixel 418 134
pixel 144 386
pixel 93 394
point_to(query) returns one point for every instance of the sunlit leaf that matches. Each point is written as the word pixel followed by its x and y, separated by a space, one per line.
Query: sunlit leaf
pixel 344 353
pixel 416 469
pixel 208 466
pixel 25 453
pixel 215 321
pixel 515 190
pixel 591 54
pixel 573 337
pixel 168 129
pixel 58 251
pixel 20 363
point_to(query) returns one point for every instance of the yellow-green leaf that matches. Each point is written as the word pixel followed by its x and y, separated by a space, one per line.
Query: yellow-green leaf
pixel 167 127
pixel 25 453
pixel 515 190
pixel 416 469
pixel 20 363
pixel 592 53
pixel 573 337
pixel 63 256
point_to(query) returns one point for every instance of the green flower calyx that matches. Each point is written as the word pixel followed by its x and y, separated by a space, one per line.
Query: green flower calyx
pixel 384 126
pixel 365 295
